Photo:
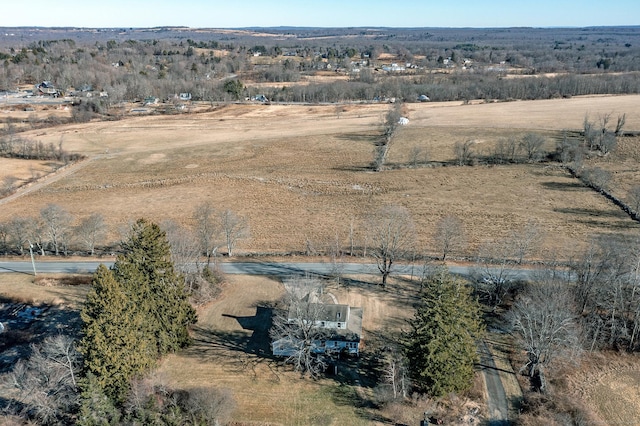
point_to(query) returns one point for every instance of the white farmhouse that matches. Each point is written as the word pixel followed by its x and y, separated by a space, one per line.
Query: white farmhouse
pixel 341 326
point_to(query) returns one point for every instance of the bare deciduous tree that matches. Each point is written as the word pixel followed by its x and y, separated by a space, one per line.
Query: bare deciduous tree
pixel 90 231
pixel 56 222
pixel 607 292
pixel 418 155
pixel 336 258
pixel 233 228
pixel 492 274
pixel 506 150
pixel 620 124
pixel 532 144
pixel 392 234
pixel 395 374
pixel 545 326
pixel 45 385
pixel 590 133
pixel 185 251
pixel 449 235
pixel 295 325
pixel 17 236
pixel 463 152
pixel 525 239
pixel 207 230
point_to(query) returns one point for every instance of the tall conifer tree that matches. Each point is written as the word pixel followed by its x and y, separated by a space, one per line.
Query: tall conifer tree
pixel 147 272
pixel 135 312
pixel 441 346
pixel 114 346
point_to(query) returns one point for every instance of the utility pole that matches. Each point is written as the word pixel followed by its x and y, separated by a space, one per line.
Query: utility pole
pixel 33 262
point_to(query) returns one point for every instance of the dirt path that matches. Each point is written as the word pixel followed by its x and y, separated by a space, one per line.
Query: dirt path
pixel 48 179
pixel 496 397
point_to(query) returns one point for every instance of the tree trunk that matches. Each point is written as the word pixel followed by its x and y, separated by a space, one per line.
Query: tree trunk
pixel 385 274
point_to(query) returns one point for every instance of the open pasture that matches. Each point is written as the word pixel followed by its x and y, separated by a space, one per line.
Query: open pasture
pixel 301 174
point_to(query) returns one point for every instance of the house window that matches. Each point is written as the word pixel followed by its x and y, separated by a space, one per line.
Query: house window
pixel 335 344
pixel 339 325
pixel 322 324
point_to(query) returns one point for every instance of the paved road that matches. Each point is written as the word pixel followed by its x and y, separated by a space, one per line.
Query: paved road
pixel 256 268
pixel 249 268
pixel 496 397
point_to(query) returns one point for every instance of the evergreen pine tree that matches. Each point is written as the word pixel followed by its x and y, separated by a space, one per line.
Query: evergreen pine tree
pixel 134 313
pixel 114 344
pixel 96 409
pixel 146 271
pixel 441 346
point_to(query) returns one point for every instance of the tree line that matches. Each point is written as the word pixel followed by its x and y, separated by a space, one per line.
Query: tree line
pixel 56 231
pixel 130 70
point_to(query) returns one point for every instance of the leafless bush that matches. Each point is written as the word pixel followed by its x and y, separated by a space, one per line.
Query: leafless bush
pixel 213 406
pixel 46 385
pixel 532 144
pixel 206 286
pixel 597 177
pixel 463 152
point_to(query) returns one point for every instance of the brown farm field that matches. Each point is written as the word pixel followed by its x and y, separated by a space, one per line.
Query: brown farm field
pixel 301 173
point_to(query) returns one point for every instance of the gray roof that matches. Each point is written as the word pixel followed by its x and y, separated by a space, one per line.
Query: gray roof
pixel 336 313
pixel 329 313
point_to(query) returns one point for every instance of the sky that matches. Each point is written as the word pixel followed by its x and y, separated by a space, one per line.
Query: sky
pixel 326 13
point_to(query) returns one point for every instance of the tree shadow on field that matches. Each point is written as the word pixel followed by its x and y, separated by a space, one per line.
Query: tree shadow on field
pixel 252 339
pixel 590 212
pixel 260 323
pixel 565 186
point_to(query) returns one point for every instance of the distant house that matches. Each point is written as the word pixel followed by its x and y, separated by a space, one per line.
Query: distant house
pixel 151 100
pixel 341 327
pixel 46 88
pixel 185 96
pixel 393 68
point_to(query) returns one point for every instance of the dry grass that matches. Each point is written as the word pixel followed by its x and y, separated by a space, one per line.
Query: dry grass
pixel 25 170
pixel 231 350
pixel 229 356
pixel 51 289
pixel 609 384
pixel 301 173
